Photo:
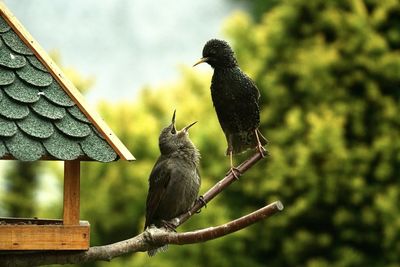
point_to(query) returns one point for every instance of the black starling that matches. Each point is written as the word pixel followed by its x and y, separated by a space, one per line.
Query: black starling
pixel 174 181
pixel 235 98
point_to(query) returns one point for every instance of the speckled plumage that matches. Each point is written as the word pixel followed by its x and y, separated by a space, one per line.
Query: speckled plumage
pixel 235 98
pixel 174 182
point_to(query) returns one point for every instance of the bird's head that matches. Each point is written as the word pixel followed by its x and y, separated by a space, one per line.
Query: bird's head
pixel 218 53
pixel 171 140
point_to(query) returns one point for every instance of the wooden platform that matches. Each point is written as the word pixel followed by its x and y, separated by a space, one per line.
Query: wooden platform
pixel 39 234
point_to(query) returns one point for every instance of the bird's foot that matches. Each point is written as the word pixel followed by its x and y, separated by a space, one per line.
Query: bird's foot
pixel 170 225
pixel 263 152
pixel 202 201
pixel 235 172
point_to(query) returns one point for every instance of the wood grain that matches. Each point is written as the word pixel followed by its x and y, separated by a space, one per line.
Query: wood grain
pixel 71 192
pixel 45 237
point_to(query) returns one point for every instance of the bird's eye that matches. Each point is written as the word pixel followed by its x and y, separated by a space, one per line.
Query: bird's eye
pixel 173 130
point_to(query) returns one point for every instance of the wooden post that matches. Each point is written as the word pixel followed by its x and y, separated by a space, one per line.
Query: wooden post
pixel 71 192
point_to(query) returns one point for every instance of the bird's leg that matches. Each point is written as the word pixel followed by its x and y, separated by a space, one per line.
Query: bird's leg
pixel 260 148
pixel 169 225
pixel 235 171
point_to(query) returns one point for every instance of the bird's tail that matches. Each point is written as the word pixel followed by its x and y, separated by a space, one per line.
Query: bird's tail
pixel 154 251
pixel 240 142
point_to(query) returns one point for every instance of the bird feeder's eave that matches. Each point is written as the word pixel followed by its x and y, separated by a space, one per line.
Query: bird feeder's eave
pixel 50 158
pixel 66 84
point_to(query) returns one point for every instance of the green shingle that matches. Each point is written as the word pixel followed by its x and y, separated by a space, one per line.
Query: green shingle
pixel 3 25
pixel 36 63
pixel 44 108
pixel 97 132
pixel 61 147
pixel 37 117
pixel 34 76
pixel 24 148
pixel 56 94
pixel 3 149
pixel 12 40
pixel 22 92
pixel 11 109
pixel 94 147
pixel 10 59
pixel 6 76
pixel 35 126
pixel 74 111
pixel 72 127
pixel 7 127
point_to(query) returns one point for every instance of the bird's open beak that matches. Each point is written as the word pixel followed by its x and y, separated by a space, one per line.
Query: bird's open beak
pixel 173 122
pixel 204 59
pixel 186 129
pixel 173 117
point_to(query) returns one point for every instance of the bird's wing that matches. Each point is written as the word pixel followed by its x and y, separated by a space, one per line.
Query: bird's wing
pixel 158 182
pixel 253 90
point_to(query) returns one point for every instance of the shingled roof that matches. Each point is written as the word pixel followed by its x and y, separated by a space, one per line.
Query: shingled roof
pixel 41 114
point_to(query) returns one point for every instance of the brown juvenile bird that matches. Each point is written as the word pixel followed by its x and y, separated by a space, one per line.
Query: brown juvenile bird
pixel 235 98
pixel 174 182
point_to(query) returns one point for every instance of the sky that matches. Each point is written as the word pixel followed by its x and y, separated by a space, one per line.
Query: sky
pixel 124 44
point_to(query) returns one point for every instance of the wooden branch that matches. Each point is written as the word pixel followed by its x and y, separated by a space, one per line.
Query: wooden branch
pixel 152 237
pixel 141 242
pixel 219 231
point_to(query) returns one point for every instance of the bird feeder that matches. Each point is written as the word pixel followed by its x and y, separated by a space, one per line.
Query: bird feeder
pixel 44 117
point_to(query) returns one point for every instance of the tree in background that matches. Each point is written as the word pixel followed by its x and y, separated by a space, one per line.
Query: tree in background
pixel 257 8
pixel 20 182
pixel 329 72
pixel 329 76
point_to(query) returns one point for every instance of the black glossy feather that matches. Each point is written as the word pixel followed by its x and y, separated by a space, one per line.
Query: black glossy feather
pixel 235 97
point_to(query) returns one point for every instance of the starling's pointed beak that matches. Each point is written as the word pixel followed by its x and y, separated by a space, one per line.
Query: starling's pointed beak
pixel 202 60
pixel 173 117
pixel 173 122
pixel 186 129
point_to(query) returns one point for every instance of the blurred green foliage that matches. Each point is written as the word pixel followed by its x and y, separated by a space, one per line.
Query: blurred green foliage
pixel 329 76
pixel 20 184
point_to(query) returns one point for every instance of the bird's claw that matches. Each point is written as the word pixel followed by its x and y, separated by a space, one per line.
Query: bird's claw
pixel 263 152
pixel 201 199
pixel 235 172
pixel 169 225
